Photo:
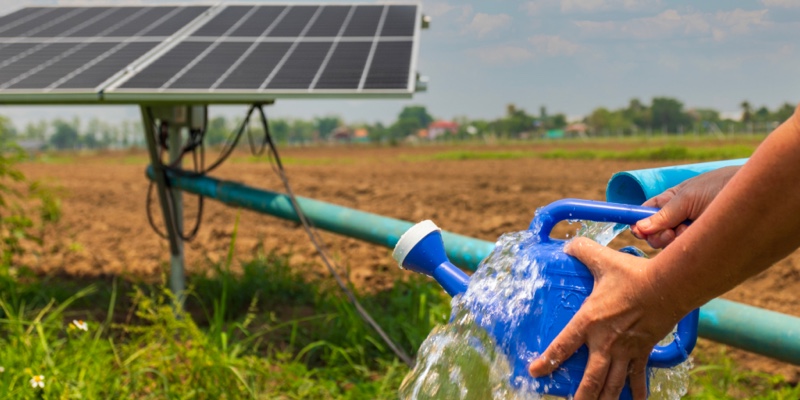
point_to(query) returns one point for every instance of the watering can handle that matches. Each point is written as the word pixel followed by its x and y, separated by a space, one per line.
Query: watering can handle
pixel 548 216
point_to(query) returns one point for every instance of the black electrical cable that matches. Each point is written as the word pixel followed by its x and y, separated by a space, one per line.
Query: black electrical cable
pixel 319 244
pixel 194 143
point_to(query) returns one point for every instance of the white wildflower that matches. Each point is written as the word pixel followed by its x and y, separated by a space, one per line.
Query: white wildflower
pixel 37 381
pixel 80 324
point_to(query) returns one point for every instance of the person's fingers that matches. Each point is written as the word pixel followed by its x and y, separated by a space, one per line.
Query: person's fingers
pixel 680 229
pixel 660 200
pixel 637 376
pixel 561 348
pixel 615 380
pixel 594 255
pixel 671 214
pixel 661 239
pixel 594 377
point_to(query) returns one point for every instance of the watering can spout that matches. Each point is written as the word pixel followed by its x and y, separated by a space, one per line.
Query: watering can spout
pixel 421 250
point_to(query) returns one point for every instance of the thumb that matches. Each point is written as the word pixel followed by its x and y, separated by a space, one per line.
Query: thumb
pixel 669 217
pixel 594 255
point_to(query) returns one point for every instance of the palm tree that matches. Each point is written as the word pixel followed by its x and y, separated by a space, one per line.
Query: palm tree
pixel 747 114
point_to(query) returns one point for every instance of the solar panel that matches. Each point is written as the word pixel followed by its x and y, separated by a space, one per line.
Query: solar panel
pixel 229 52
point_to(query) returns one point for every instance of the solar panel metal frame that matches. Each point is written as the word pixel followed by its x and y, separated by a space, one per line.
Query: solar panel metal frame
pixel 117 94
pixel 110 92
pixel 91 95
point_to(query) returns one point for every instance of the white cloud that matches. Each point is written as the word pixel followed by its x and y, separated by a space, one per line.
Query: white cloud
pixel 672 23
pixel 582 5
pixel 438 8
pixel 781 3
pixel 502 54
pixel 532 7
pixel 553 45
pixel 482 24
pixel 739 21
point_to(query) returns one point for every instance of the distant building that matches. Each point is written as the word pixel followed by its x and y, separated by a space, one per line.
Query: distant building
pixel 32 146
pixel 361 135
pixel 439 128
pixel 341 134
pixel 577 129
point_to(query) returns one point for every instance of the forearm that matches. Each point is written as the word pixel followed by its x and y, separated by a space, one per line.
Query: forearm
pixel 752 223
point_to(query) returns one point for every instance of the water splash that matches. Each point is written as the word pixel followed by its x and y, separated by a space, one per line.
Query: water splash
pixel 461 360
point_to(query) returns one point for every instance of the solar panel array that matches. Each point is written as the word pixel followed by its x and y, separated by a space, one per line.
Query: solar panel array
pixel 254 50
pixel 80 48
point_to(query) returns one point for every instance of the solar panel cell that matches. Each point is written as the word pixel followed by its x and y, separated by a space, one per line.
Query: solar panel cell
pixel 12 68
pixel 259 21
pixel 20 15
pixel 8 51
pixel 40 22
pixel 345 66
pixel 300 69
pixel 119 17
pixel 390 66
pixel 55 68
pixel 102 70
pixel 210 68
pixel 164 68
pixel 294 22
pixel 140 24
pixel 87 16
pixel 329 22
pixel 400 21
pixel 178 21
pixel 365 21
pixel 256 67
pixel 223 21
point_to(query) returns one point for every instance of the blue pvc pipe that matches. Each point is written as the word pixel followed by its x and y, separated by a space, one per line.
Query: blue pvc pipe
pixel 464 251
pixel 634 187
pixel 750 328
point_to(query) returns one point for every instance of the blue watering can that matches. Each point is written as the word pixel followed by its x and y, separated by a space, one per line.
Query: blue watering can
pixel 567 284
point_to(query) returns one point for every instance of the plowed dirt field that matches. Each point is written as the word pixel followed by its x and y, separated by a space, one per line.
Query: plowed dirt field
pixel 104 229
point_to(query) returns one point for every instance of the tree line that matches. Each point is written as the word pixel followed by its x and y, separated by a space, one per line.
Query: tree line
pixel 662 115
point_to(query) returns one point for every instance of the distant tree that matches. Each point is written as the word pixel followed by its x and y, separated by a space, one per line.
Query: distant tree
pixel 515 122
pixel 7 131
pixel 747 111
pixel 762 114
pixel 279 129
pixel 326 125
pixel 217 131
pixel 36 131
pixel 668 112
pixel 558 121
pixel 784 112
pixel 602 119
pixel 638 113
pixel 417 113
pixel 65 136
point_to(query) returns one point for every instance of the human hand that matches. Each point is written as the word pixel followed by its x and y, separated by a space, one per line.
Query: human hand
pixel 620 322
pixel 682 202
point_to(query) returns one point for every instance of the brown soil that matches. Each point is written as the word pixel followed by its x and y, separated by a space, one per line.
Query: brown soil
pixel 104 229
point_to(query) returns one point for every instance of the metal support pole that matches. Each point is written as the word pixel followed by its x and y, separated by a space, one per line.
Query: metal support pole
pixel 168 212
pixel 177 278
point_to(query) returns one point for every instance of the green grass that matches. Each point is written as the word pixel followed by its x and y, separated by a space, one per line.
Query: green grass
pixel 665 153
pixel 262 333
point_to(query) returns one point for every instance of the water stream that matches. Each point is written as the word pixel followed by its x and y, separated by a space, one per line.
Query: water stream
pixel 460 360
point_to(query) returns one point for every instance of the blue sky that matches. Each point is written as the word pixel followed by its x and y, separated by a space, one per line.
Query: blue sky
pixel 569 55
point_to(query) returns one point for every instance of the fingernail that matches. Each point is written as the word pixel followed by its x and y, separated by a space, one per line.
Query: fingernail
pixel 644 224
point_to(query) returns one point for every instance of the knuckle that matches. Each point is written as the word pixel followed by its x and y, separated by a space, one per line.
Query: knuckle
pixel 591 384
